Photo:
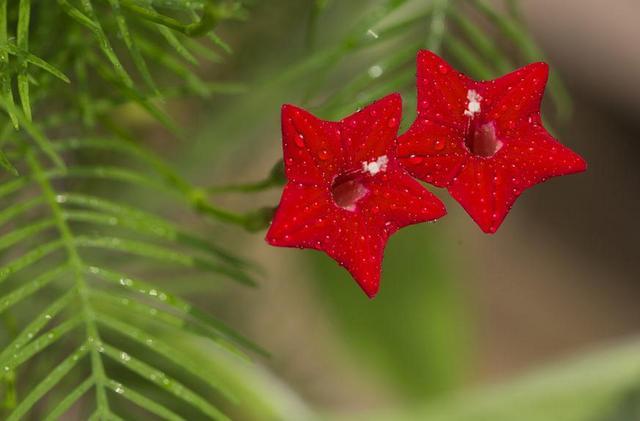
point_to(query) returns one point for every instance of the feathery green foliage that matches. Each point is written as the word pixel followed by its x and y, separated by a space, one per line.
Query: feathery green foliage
pixel 61 134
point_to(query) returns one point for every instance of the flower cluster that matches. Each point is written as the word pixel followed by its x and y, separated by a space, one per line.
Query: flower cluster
pixel 350 183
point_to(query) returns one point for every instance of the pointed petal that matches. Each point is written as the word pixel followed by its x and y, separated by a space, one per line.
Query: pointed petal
pixel 483 190
pixel 536 156
pixel 432 152
pixel 359 249
pixel 312 149
pixel 442 91
pixel 371 132
pixel 513 100
pixel 302 219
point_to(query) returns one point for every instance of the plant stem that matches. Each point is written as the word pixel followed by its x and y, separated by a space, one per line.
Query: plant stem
pixel 93 337
pixel 437 25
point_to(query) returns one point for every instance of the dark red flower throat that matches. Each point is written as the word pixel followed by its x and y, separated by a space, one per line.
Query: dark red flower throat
pixel 481 139
pixel 348 188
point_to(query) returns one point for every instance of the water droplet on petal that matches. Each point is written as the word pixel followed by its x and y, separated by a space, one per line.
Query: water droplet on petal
pixel 299 140
pixel 415 160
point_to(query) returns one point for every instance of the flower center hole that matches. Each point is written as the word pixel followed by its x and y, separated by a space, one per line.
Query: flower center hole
pixel 347 190
pixel 482 141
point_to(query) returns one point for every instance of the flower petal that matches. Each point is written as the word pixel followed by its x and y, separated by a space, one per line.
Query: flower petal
pixel 400 200
pixel 484 190
pixel 536 156
pixel 432 152
pixel 312 149
pixel 307 219
pixel 302 218
pixel 371 132
pixel 359 249
pixel 442 91
pixel 487 188
pixel 513 101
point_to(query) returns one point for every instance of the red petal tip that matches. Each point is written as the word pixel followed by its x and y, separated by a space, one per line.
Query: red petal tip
pixel 394 100
pixel 288 109
pixel 581 165
pixel 426 54
pixel 394 96
pixel 540 69
pixel 370 290
pixel 490 230
pixel 269 239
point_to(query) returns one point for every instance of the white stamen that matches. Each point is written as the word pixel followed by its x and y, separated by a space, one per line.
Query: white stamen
pixel 474 103
pixel 374 167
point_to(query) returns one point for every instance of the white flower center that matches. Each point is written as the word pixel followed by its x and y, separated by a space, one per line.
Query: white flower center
pixel 473 106
pixel 374 167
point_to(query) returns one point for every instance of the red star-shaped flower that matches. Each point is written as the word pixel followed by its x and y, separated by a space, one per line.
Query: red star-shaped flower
pixel 484 141
pixel 346 191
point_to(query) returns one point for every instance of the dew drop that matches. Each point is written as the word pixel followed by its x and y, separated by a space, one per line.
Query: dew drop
pixel 375 71
pixel 443 69
pixel 323 154
pixel 438 145
pixel 392 122
pixel 299 140
pixel 415 160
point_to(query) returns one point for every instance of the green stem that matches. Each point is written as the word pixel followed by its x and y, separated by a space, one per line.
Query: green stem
pixel 93 337
pixel 5 80
pixel 437 25
pixel 513 6
pixel 211 16
pixel 251 221
pixel 275 178
pixel 312 23
pixel 198 200
pixel 195 197
pixel 9 379
pixel 254 187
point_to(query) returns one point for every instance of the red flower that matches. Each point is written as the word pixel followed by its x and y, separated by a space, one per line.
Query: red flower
pixel 346 191
pixel 484 141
